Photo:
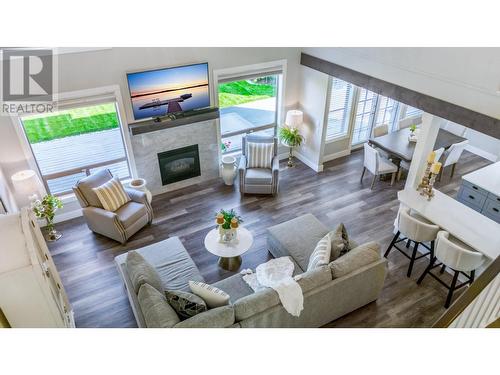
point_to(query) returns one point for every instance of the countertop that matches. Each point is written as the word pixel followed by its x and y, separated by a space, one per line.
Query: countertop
pixel 487 178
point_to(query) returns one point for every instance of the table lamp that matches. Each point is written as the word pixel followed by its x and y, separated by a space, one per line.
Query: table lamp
pixel 294 118
pixel 26 183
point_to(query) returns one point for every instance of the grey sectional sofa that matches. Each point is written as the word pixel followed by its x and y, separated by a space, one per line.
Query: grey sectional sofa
pixel 349 282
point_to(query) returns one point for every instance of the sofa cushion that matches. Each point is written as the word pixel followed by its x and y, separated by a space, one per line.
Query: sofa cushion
pixel 258 176
pixel 155 308
pixel 296 238
pixel 141 272
pixel 314 278
pixel 354 259
pixel 321 254
pixel 112 195
pixel 220 317
pixel 185 304
pixel 255 303
pixel 213 297
pixel 235 286
pixel 130 213
pixel 86 185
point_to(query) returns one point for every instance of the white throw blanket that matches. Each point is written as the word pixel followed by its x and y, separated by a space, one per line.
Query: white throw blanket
pixel 277 274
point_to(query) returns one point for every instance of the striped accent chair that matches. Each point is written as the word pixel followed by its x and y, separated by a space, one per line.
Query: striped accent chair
pixel 124 221
pixel 263 179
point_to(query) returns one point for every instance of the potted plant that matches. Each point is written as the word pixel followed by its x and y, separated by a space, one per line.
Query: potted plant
pixel 46 209
pixel 290 137
pixel 413 136
pixel 228 223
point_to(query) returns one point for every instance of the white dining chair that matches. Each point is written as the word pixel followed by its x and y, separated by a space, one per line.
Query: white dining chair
pixel 459 257
pixel 452 155
pixel 377 165
pixel 454 128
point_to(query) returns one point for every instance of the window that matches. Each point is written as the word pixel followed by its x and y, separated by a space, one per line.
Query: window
pixel 387 112
pixel 365 114
pixel 412 111
pixel 247 104
pixel 339 109
pixel 72 143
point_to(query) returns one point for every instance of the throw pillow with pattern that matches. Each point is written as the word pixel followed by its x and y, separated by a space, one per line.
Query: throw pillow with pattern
pixel 321 254
pixel 213 297
pixel 340 242
pixel 112 195
pixel 259 155
pixel 185 304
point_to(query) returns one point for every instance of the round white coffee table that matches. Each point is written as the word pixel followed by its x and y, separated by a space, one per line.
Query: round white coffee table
pixel 229 253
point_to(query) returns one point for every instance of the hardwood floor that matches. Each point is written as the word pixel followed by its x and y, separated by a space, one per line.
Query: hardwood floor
pixel 98 297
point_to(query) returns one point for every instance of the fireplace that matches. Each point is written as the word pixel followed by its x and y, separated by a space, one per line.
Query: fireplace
pixel 179 164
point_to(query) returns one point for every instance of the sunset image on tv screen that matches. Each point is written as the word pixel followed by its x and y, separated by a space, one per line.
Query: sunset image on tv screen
pixel 157 93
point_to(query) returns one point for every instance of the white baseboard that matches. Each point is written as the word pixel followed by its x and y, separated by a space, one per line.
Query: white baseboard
pixel 336 155
pixel 309 163
pixel 482 153
pixel 68 215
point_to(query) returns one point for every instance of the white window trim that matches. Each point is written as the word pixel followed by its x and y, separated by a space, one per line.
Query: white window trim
pixel 79 95
pixel 217 74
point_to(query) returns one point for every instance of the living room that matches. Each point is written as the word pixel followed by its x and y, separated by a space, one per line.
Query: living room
pixel 250 187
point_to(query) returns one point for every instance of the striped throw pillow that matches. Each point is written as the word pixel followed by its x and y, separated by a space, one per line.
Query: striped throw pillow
pixel 259 155
pixel 213 297
pixel 321 254
pixel 112 195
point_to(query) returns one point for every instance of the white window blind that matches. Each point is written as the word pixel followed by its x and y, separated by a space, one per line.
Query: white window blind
pixel 339 109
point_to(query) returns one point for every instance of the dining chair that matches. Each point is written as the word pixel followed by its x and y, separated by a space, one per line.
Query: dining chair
pixel 380 130
pixel 459 257
pixel 407 122
pixel 416 228
pixel 454 128
pixel 451 157
pixel 377 165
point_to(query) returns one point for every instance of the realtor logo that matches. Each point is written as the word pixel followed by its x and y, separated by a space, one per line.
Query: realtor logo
pixel 27 80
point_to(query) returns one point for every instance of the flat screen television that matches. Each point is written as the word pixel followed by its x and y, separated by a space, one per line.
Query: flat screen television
pixel 156 93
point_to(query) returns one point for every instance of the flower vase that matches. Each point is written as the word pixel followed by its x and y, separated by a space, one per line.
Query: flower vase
pixel 52 233
pixel 228 169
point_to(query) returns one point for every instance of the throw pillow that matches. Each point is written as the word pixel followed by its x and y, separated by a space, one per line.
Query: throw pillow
pixel 259 155
pixel 155 308
pixel 112 195
pixel 185 304
pixel 213 297
pixel 340 242
pixel 141 272
pixel 321 254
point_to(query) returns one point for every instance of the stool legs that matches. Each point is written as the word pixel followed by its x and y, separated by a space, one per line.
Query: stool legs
pixel 392 244
pixel 427 270
pixel 412 259
pixel 452 289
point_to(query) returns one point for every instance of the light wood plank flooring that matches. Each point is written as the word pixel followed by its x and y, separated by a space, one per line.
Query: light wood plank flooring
pixel 85 260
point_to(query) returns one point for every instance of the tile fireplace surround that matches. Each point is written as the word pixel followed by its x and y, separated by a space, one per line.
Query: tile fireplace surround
pixel 147 146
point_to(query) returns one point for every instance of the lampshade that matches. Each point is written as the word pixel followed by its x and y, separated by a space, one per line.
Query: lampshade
pixel 294 118
pixel 25 182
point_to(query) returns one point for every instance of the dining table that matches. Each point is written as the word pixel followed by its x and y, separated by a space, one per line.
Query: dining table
pixel 398 146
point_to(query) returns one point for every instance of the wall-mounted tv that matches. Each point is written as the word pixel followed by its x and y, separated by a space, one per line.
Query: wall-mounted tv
pixel 156 93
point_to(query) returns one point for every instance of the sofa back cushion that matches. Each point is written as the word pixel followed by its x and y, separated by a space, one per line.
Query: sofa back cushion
pixel 141 272
pixel 155 308
pixel 355 259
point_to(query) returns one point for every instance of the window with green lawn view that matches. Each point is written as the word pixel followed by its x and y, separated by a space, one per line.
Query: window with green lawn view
pixel 247 105
pixel 72 143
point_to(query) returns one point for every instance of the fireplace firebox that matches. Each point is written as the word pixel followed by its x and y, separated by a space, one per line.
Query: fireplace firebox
pixel 179 164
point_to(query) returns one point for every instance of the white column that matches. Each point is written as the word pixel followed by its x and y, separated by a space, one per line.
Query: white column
pixel 425 144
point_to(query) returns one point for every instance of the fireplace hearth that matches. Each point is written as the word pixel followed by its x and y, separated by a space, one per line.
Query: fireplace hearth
pixel 179 164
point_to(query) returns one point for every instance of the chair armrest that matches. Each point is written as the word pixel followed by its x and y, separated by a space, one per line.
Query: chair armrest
pixel 137 195
pixel 141 197
pixel 97 213
pixel 242 167
pixel 220 317
pixel 275 170
pixel 104 222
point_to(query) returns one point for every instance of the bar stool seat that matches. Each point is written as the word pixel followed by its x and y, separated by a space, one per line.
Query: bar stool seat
pixel 416 228
pixel 459 257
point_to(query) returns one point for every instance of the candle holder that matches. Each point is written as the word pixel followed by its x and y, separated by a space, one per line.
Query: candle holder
pixel 425 179
pixel 427 191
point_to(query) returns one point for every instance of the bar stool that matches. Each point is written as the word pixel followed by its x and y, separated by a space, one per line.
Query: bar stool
pixel 417 229
pixel 461 258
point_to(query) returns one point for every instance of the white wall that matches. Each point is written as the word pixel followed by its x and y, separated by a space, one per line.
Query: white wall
pixel 78 71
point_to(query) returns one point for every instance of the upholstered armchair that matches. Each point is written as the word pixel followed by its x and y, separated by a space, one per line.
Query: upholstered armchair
pixel 259 180
pixel 119 225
